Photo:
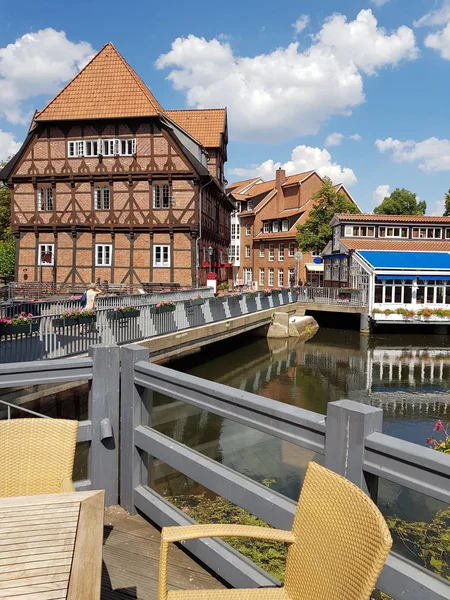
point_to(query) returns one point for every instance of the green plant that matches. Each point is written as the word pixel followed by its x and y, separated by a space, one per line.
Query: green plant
pixel 22 319
pixel 406 312
pixel 442 445
pixel 222 287
pixel 77 313
pixel 124 309
pixel 425 312
pixel 377 311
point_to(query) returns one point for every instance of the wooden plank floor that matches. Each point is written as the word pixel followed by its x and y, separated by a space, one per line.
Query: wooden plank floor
pixel 131 559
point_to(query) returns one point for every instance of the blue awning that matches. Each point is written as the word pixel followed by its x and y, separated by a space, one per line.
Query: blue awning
pixel 330 256
pixel 399 276
pixel 434 276
pixel 406 260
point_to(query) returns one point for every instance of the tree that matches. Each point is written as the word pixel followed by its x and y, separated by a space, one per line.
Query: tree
pixel 7 257
pixel 316 232
pixel 401 202
pixel 447 204
pixel 5 208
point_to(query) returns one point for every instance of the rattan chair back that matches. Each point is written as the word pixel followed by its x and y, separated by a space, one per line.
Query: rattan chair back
pixel 342 540
pixel 36 456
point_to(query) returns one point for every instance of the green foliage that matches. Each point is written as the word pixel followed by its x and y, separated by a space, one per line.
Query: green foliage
pixel 7 256
pixel 447 204
pixel 316 232
pixel 270 556
pixel 223 287
pixel 401 202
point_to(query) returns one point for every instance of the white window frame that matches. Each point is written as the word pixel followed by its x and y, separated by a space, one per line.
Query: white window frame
pixel 103 255
pixel 399 236
pixel 163 263
pixel 270 277
pixel 280 252
pixel 285 225
pixel 102 197
pixel 247 252
pixel 44 249
pixel 250 205
pixel 156 191
pixel 275 227
pixel 165 200
pixel 248 229
pixel 271 252
pixel 45 199
pixel 336 237
pixel 280 277
pixel 314 254
pixel 266 227
pixel 106 147
pixel 261 276
pixel 248 276
pixel 291 251
pixel 233 231
pixel 238 231
pixel 427 233
pixel 261 250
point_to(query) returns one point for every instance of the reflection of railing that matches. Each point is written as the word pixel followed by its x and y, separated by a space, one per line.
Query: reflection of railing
pixel 54 338
pixel 328 295
pixel 349 438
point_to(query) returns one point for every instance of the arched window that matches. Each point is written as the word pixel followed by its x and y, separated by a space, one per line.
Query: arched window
pixel 156 196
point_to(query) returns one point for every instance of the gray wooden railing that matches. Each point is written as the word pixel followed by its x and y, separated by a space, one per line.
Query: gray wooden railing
pixel 49 341
pixel 348 440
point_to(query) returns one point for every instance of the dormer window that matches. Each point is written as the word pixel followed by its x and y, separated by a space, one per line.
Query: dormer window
pixel 250 205
pixel 266 227
pixel 275 226
pixel 285 225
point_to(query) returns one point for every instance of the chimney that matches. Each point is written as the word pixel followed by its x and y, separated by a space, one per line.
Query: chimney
pixel 280 178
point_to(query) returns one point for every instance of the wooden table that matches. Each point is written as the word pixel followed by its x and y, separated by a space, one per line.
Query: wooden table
pixel 51 546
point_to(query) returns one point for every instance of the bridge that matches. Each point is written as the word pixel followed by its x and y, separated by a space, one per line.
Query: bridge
pixel 193 319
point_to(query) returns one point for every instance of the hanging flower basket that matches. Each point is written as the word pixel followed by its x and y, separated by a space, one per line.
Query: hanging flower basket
pixel 24 329
pixel 124 312
pixel 162 307
pixel 71 321
pixel 194 302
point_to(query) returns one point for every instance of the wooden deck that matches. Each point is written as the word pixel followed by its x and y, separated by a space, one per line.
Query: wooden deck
pixel 131 559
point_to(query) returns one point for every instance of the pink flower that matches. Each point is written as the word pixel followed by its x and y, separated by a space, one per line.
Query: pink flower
pixel 429 440
pixel 158 305
pixel 439 426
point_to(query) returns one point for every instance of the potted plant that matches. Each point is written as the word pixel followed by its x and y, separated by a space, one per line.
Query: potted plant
pixel 194 302
pixel 22 323
pixel 78 316
pixel 267 292
pixel 122 312
pixel 162 307
pixel 216 300
pixel 234 298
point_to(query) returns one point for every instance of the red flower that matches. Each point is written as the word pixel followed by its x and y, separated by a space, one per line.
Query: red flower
pixel 429 440
pixel 439 426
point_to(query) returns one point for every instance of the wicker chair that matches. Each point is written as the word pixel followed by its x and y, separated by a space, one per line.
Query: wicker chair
pixel 337 547
pixel 36 456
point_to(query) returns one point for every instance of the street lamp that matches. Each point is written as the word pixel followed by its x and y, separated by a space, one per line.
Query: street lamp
pixel 210 252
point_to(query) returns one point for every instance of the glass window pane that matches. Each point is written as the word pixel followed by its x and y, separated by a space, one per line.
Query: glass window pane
pixel 430 294
pixel 388 293
pixel 398 294
pixel 378 293
pixel 407 298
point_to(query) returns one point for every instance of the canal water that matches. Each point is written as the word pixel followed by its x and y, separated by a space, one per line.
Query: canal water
pixel 408 376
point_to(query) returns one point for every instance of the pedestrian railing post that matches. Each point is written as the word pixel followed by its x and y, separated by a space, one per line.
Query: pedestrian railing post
pixel 348 423
pixel 132 414
pixel 104 405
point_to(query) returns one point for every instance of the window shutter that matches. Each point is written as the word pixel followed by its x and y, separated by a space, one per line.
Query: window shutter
pixel 71 149
pixel 116 147
pixel 97 201
pixel 80 148
pixel 133 146
pixel 99 146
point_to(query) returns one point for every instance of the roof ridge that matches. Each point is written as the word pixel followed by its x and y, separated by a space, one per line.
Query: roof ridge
pixel 196 110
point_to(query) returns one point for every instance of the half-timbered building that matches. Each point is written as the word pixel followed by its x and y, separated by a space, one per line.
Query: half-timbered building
pixel 109 186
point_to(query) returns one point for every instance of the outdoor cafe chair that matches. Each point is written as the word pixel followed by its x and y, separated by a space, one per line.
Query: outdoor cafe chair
pixel 337 547
pixel 36 456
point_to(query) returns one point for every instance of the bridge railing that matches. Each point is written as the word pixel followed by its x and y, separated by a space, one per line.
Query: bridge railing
pixel 50 337
pixel 348 441
pixel 329 295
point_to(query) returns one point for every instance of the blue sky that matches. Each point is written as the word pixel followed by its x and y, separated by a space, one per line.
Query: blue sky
pixel 374 72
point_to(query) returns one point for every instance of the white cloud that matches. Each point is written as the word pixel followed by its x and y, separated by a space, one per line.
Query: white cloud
pixel 439 208
pixel 37 63
pixel 334 139
pixel 380 193
pixel 303 158
pixel 379 2
pixel 440 41
pixel 440 16
pixel 432 155
pixel 301 23
pixel 287 93
pixel 355 137
pixel 8 145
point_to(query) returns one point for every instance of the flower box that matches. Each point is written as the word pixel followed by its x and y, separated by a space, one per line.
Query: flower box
pixel 161 309
pixel 194 302
pixel 234 299
pixel 218 300
pixel 117 315
pixel 71 322
pixel 18 329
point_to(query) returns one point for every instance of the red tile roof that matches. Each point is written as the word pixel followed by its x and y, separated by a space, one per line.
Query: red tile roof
pixel 397 245
pixel 289 212
pixel 393 218
pixel 238 185
pixel 106 88
pixel 205 125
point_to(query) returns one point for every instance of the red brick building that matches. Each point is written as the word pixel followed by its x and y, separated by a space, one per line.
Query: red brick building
pixel 267 218
pixel 109 185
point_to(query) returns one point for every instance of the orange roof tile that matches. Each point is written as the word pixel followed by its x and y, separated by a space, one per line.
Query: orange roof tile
pixel 289 212
pixel 205 125
pixel 297 178
pixel 397 245
pixel 240 184
pixel 106 88
pixel 393 218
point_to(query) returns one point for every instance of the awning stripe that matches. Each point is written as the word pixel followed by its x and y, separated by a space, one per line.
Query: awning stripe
pixel 435 276
pixel 399 276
